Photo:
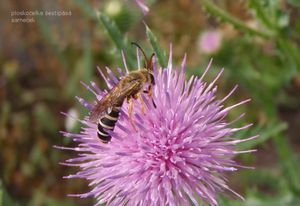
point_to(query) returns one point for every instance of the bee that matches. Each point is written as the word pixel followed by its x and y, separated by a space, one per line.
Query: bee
pixel 106 112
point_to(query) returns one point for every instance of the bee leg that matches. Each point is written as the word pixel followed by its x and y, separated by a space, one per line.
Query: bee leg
pixel 135 96
pixel 138 96
pixel 149 93
pixel 129 100
pixel 142 102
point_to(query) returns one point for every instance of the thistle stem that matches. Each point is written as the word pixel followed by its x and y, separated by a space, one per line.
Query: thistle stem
pixel 224 16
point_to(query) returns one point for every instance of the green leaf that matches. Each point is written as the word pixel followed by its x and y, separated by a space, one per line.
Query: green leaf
pixel 160 54
pixel 255 198
pixel 5 199
pixel 121 14
pixel 272 129
pixel 289 162
pixel 116 36
pixel 291 52
pixel 86 8
pixel 283 19
pixel 295 3
pixel 279 200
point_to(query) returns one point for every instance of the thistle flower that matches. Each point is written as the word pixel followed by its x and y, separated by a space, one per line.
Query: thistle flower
pixel 210 41
pixel 178 153
pixel 142 5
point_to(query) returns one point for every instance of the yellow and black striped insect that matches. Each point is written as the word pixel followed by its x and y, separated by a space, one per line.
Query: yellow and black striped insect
pixel 130 86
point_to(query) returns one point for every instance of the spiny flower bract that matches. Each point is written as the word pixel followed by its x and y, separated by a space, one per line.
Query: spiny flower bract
pixel 179 153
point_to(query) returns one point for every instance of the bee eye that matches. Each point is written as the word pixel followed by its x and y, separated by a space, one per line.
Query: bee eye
pixel 152 79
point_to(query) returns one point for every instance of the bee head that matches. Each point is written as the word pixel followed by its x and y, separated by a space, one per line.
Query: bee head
pixel 149 68
pixel 152 79
pixel 148 64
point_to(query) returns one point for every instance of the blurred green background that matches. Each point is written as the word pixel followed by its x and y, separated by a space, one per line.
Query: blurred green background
pixel 43 62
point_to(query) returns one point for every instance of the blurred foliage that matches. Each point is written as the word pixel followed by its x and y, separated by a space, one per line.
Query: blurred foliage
pixel 42 64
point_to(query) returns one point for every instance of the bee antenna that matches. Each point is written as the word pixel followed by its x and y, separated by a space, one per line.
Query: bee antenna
pixel 140 48
pixel 150 64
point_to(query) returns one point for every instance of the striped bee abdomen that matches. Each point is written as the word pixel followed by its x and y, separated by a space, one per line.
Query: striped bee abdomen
pixel 107 122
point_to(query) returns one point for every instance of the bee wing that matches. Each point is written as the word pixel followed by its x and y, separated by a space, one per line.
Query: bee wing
pixel 114 98
pixel 126 90
pixel 100 108
pixel 111 99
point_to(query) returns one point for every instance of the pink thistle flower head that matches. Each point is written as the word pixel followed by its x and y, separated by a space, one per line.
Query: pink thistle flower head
pixel 210 41
pixel 143 7
pixel 178 153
